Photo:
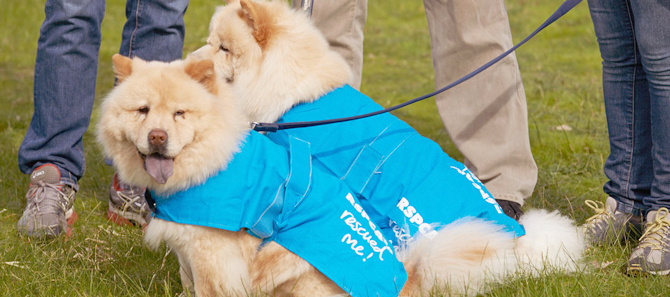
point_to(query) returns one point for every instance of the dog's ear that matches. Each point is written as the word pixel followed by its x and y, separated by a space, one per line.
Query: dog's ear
pixel 259 19
pixel 203 72
pixel 122 67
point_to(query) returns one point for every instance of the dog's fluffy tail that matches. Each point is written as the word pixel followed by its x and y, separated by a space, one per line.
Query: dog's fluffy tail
pixel 467 256
pixel 552 243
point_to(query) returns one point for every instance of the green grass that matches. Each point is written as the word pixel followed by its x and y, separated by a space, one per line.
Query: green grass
pixel 561 72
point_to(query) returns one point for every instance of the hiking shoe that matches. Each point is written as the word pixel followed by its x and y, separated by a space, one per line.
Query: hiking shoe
pixel 652 255
pixel 608 225
pixel 49 209
pixel 127 205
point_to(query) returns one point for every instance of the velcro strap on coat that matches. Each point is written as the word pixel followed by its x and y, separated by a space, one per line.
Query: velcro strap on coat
pixel 373 155
pixel 300 173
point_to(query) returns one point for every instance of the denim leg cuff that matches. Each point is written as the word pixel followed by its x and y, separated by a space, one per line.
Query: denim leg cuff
pixel 68 179
pixel 627 206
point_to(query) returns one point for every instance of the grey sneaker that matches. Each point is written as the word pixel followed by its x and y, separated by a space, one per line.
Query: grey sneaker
pixel 127 205
pixel 652 255
pixel 608 225
pixel 49 209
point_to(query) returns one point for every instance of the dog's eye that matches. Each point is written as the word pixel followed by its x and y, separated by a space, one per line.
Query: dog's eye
pixel 143 110
pixel 179 113
pixel 223 48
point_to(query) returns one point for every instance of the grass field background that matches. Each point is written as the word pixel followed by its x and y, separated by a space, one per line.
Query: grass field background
pixel 561 74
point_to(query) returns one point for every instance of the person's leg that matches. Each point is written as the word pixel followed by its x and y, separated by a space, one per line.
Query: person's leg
pixel 628 167
pixel 65 75
pixel 342 22
pixel 154 30
pixel 64 88
pixel 626 95
pixel 486 116
pixel 652 35
pixel 653 39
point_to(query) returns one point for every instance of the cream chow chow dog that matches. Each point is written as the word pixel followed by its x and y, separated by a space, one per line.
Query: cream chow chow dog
pixel 155 126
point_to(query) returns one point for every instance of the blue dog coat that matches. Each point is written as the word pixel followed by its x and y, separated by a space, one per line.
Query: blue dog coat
pixel 404 181
pixel 278 195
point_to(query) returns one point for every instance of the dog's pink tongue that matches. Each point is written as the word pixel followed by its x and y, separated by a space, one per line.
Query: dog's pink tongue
pixel 159 167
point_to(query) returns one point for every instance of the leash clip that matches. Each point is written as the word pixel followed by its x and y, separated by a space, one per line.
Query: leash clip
pixel 264 127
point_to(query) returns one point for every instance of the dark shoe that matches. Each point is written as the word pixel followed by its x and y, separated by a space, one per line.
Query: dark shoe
pixel 511 208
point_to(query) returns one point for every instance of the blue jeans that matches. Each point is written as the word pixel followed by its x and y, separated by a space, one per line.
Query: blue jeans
pixel 634 40
pixel 66 68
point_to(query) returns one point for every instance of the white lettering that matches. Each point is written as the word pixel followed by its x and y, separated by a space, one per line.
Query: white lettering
pixel 357 227
pixel 354 244
pixel 379 235
pixel 346 213
pixel 409 211
pixel 351 220
pixel 475 183
pixel 416 219
pixel 423 228
pixel 350 198
pixel 365 215
pixel 469 177
pixel 400 233
pixel 366 235
pixel 403 203
pixel 427 230
pixel 381 251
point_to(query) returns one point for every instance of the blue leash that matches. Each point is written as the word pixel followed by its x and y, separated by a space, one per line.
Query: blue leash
pixel 273 127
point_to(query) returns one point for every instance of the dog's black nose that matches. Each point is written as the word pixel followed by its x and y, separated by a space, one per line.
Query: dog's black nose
pixel 157 137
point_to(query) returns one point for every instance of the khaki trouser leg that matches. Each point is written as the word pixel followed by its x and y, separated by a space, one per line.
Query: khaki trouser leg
pixel 342 22
pixel 486 116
